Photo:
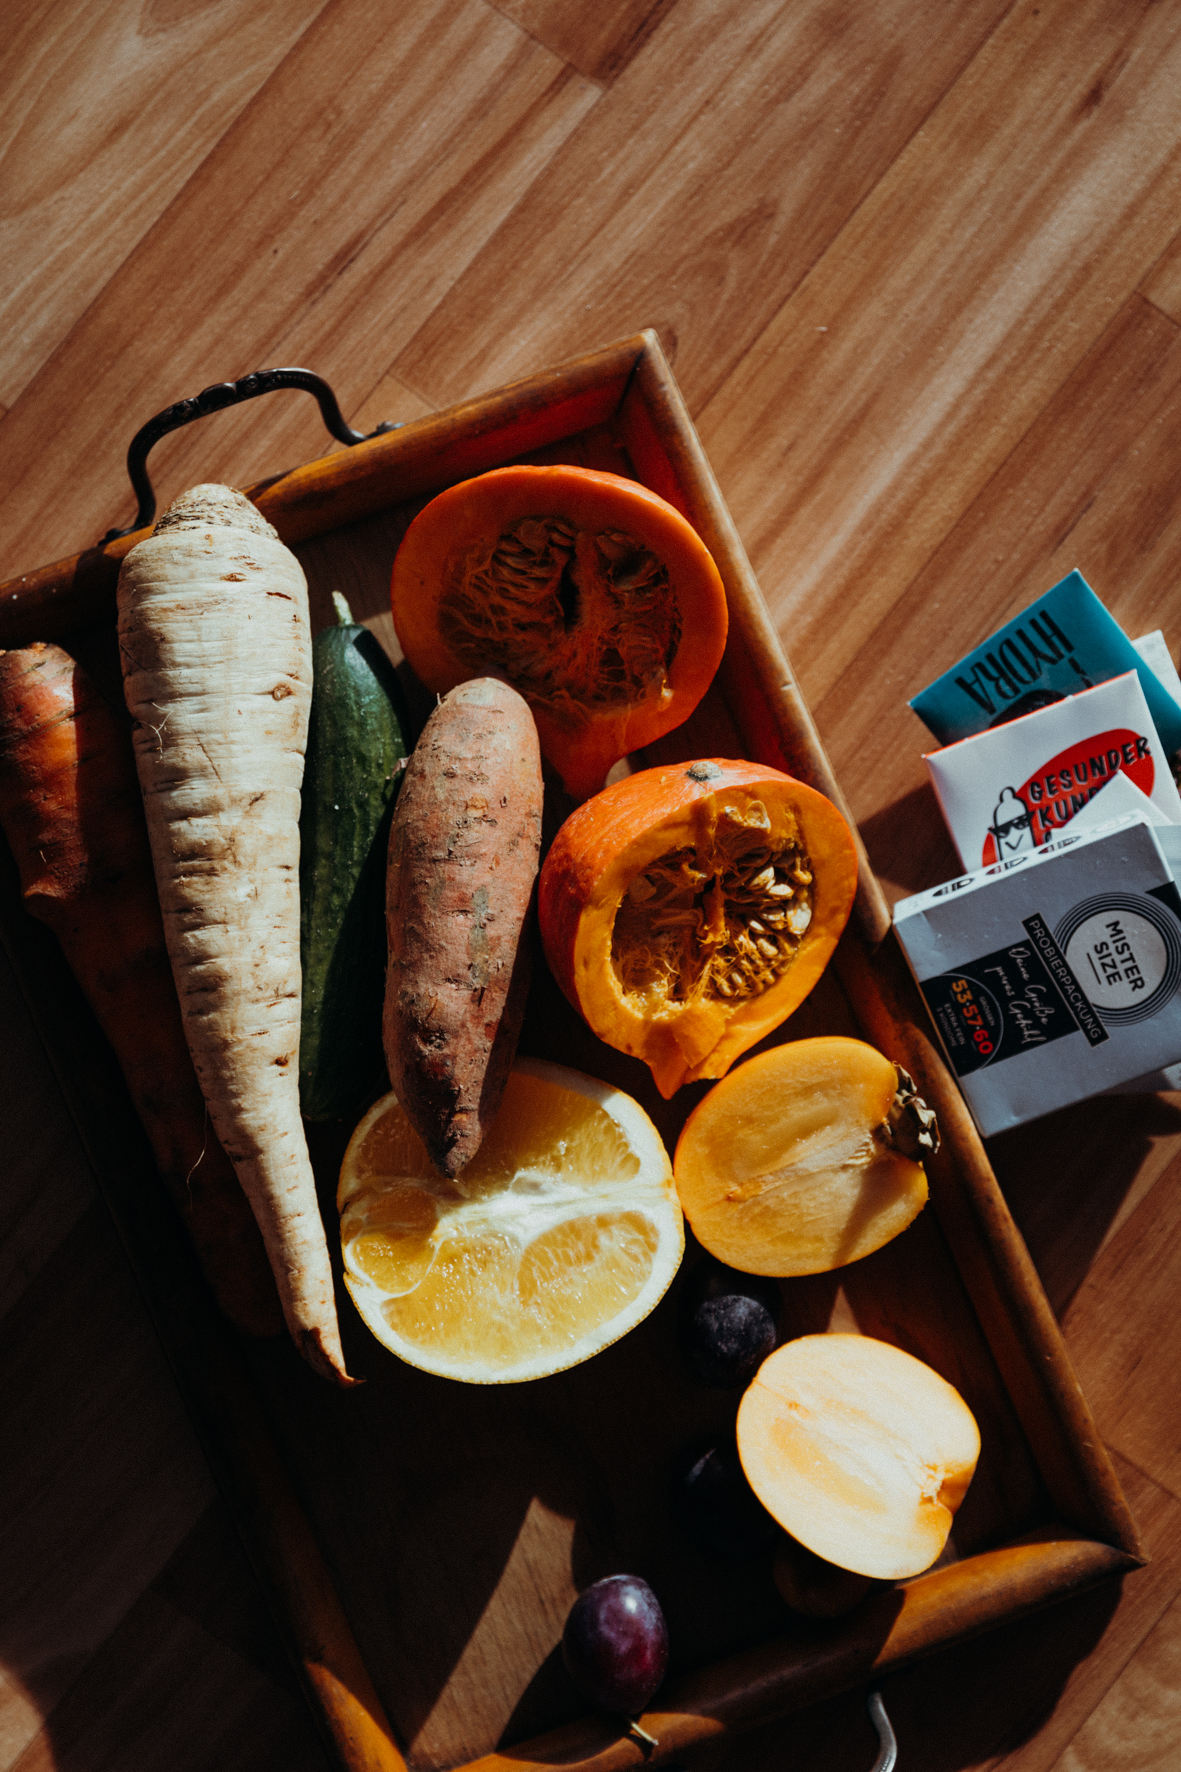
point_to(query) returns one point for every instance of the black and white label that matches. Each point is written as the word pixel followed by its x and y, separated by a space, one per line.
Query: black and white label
pixel 1005 1003
pixel 1126 948
pixel 1112 959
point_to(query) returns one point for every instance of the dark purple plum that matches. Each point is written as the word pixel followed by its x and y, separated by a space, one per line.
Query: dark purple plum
pixel 717 1509
pixel 615 1644
pixel 730 1323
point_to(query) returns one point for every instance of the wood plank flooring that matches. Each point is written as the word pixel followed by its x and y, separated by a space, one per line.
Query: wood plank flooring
pixel 919 270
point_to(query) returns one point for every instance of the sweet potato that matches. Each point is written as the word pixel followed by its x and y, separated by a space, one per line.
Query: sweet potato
pixel 217 672
pixel 70 808
pixel 463 857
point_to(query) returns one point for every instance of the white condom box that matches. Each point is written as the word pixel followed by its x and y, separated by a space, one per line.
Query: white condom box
pixel 1053 975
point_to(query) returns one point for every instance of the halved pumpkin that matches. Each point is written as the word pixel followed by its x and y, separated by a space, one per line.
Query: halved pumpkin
pixel 687 910
pixel 597 601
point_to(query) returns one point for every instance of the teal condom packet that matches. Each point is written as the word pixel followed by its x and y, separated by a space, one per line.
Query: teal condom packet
pixel 1064 642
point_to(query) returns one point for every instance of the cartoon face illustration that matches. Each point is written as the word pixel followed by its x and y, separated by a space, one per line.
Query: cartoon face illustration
pixel 1010 825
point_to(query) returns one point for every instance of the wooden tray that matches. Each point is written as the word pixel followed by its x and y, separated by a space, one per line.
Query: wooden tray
pixel 420 1541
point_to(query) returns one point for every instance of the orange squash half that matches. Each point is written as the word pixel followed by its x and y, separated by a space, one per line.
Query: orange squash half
pixel 687 910
pixel 596 600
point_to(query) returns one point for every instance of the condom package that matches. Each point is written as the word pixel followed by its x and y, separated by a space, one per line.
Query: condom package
pixel 1012 789
pixel 1065 642
pixel 1054 974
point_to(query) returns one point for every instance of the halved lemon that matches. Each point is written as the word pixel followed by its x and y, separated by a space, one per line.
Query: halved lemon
pixel 557 1238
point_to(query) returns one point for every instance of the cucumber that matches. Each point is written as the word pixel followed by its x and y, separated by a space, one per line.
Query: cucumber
pixel 356 751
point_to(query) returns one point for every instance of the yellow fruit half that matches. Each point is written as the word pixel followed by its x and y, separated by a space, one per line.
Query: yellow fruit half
pixel 557 1238
pixel 805 1158
pixel 860 1451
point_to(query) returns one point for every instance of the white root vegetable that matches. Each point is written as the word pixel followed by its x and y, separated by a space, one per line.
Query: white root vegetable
pixel 217 668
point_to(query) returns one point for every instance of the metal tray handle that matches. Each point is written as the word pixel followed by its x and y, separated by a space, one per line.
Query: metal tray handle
pixel 888 1757
pixel 216 399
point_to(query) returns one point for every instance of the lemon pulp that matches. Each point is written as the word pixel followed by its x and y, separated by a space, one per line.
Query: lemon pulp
pixel 561 1234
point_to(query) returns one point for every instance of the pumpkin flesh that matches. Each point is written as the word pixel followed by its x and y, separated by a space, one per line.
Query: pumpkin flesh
pixel 687 910
pixel 579 588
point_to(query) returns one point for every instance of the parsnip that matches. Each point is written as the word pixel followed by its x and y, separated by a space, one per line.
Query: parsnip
pixel 217 668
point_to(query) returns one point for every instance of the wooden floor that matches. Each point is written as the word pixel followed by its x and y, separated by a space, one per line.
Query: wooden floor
pixel 918 267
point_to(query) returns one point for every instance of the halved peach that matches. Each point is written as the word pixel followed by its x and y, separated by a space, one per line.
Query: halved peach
pixel 860 1451
pixel 805 1158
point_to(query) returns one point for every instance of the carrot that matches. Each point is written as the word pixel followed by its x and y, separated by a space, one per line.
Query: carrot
pixel 217 671
pixel 70 808
pixel 463 856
